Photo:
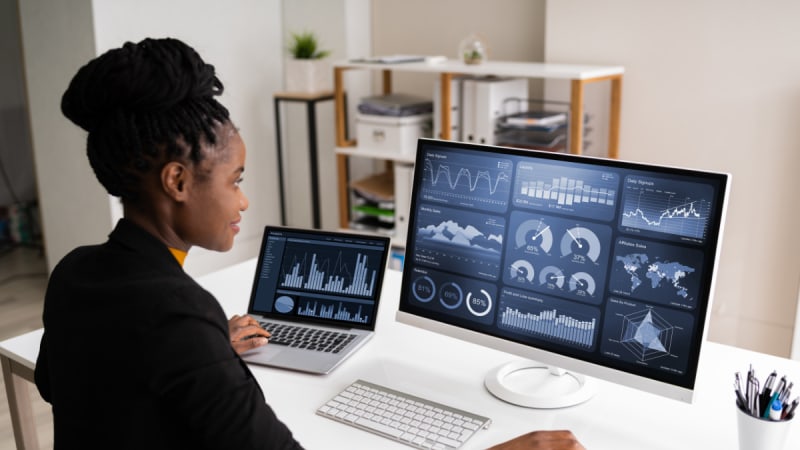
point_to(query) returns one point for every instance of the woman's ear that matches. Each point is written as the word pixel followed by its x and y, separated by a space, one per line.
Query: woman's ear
pixel 175 180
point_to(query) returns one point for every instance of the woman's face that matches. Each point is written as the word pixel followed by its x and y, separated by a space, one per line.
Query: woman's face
pixel 212 213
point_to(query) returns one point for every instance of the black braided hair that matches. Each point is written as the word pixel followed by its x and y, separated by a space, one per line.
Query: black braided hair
pixel 143 103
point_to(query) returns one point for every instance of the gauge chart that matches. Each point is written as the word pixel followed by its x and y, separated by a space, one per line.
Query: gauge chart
pixel 581 283
pixel 580 243
pixel 521 271
pixel 557 255
pixel 534 236
pixel 552 277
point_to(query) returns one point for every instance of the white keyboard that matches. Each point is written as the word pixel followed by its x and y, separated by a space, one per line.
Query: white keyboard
pixel 402 417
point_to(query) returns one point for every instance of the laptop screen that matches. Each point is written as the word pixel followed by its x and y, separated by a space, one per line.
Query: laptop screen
pixel 319 276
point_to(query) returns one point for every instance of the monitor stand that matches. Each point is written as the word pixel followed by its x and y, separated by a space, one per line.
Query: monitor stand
pixel 536 385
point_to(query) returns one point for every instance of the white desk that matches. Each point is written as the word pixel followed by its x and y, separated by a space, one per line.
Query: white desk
pixel 450 371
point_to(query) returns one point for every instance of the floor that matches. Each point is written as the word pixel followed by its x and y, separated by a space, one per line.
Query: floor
pixel 23 277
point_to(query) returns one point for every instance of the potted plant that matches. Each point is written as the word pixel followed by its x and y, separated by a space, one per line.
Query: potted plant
pixel 307 70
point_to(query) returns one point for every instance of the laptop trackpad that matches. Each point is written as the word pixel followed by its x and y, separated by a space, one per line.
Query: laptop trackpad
pixel 264 353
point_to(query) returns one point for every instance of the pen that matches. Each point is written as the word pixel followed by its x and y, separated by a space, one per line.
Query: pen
pixel 740 401
pixel 770 381
pixel 752 394
pixel 789 412
pixel 784 396
pixel 766 393
pixel 781 385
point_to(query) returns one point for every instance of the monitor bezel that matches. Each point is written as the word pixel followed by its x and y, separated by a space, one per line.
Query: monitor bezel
pixel 592 369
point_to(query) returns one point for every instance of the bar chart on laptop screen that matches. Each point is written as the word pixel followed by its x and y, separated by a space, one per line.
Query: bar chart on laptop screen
pixel 315 266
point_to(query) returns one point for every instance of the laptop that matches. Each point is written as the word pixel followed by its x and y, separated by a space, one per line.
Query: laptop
pixel 317 292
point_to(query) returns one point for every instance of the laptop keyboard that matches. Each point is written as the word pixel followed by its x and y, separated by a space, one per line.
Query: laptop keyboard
pixel 308 338
pixel 414 421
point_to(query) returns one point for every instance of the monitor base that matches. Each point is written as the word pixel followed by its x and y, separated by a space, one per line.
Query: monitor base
pixel 535 385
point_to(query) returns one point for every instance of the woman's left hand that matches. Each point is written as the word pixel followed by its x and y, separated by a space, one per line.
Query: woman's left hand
pixel 246 333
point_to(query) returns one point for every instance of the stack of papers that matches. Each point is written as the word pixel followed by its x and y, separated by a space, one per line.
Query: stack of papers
pixel 396 105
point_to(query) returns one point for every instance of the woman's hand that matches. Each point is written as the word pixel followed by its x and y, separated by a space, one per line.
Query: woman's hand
pixel 542 440
pixel 246 333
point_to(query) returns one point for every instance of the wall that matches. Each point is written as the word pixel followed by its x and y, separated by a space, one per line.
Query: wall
pixel 16 154
pixel 57 38
pixel 512 29
pixel 714 85
pixel 342 27
pixel 242 40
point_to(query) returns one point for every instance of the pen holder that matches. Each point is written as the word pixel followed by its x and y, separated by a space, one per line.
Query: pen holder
pixel 757 433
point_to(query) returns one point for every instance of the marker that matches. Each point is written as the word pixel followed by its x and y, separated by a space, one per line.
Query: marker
pixel 776 410
pixel 768 411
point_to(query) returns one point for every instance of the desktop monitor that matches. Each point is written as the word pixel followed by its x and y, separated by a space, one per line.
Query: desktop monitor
pixel 598 267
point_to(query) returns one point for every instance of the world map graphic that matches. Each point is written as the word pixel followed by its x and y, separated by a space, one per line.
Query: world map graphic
pixel 660 273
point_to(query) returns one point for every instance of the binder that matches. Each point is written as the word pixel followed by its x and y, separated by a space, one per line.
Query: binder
pixel 403 178
pixel 483 105
pixel 456 88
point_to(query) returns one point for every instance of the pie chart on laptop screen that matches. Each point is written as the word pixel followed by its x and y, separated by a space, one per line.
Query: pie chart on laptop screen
pixel 284 304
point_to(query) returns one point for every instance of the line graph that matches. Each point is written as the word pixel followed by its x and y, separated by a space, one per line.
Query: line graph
pixel 464 175
pixel 483 182
pixel 670 207
pixel 686 211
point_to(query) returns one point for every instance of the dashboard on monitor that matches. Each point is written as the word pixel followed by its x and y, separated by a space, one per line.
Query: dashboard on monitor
pixel 598 266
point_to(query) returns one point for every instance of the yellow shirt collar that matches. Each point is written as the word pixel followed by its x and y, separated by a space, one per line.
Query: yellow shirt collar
pixel 180 255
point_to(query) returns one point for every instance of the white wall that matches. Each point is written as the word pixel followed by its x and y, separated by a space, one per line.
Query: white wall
pixel 343 28
pixel 57 39
pixel 242 39
pixel 513 30
pixel 712 84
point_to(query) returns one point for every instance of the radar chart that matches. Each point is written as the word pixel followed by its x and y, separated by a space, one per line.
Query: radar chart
pixel 648 335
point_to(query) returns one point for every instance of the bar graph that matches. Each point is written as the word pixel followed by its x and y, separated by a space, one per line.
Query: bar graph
pixel 333 310
pixel 551 186
pixel 567 191
pixel 548 318
pixel 324 274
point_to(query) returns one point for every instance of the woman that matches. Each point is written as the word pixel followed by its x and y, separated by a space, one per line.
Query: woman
pixel 135 354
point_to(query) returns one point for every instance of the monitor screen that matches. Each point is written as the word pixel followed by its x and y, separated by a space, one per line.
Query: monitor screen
pixel 597 266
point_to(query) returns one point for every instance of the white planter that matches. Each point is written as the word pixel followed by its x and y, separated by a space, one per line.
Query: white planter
pixel 308 75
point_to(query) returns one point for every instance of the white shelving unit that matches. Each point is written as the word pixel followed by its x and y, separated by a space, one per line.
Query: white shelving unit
pixel 579 76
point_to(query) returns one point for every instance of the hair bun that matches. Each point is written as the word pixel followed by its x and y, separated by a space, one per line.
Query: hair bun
pixel 153 75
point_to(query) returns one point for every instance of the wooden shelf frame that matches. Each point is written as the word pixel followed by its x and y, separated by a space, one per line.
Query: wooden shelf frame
pixel 578 75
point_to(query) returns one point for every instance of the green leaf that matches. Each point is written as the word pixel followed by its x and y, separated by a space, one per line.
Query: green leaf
pixel 304 46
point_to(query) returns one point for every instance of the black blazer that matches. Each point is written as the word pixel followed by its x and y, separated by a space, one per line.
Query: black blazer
pixel 135 354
